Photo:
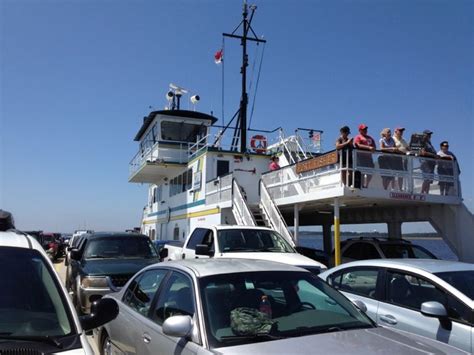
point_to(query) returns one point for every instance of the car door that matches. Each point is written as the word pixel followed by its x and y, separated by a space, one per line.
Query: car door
pixel 199 236
pixel 177 297
pixel 360 283
pixel 401 309
pixel 126 331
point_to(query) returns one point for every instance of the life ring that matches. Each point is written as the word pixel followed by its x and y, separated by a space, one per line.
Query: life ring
pixel 258 143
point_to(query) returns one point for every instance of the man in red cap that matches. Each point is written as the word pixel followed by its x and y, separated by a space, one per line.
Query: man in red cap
pixel 364 142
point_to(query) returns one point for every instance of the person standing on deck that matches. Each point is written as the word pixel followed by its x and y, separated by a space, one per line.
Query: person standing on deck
pixel 446 168
pixel 427 165
pixel 403 148
pixel 274 164
pixel 344 145
pixel 365 142
pixel 387 161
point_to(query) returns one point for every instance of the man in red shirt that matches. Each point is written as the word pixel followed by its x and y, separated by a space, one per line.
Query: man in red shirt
pixel 364 159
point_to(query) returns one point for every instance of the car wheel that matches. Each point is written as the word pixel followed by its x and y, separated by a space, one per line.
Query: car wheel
pixel 106 346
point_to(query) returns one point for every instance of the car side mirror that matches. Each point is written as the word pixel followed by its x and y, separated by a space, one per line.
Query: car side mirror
pixel 75 254
pixel 361 305
pixel 178 326
pixel 433 309
pixel 203 249
pixel 102 311
pixel 163 254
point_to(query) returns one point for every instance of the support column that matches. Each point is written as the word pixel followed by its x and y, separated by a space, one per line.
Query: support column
pixel 337 236
pixel 296 223
pixel 327 238
pixel 394 230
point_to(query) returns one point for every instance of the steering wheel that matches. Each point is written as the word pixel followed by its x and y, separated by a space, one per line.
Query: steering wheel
pixel 307 305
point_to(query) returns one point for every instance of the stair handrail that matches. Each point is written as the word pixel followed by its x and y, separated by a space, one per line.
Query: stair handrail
pixel 240 208
pixel 273 214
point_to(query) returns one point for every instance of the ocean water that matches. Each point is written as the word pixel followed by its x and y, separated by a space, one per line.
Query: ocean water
pixel 437 246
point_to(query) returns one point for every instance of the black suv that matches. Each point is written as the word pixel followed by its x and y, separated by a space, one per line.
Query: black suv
pixel 373 248
pixel 103 262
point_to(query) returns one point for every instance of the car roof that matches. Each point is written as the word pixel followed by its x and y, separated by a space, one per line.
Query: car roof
pixel 97 235
pixel 219 266
pixel 428 265
pixel 228 226
pixel 17 239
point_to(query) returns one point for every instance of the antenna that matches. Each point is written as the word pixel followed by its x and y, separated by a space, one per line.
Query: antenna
pixel 241 124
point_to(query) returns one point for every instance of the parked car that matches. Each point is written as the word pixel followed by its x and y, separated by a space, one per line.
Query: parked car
pixel 432 298
pixel 238 306
pixel 236 241
pixel 161 244
pixel 51 245
pixel 36 314
pixel 104 262
pixel 315 254
pixel 37 235
pixel 374 248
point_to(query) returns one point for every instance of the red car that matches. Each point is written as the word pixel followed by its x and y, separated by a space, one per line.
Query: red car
pixel 51 245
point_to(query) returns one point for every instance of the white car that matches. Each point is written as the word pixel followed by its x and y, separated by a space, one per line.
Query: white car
pixel 36 314
pixel 432 298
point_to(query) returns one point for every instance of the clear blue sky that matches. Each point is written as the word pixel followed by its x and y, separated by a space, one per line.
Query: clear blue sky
pixel 77 77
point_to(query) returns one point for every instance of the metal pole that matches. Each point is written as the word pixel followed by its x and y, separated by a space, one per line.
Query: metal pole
pixel 296 223
pixel 243 103
pixel 337 236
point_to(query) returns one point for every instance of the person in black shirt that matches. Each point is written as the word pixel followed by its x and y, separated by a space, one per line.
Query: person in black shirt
pixel 344 145
pixel 427 165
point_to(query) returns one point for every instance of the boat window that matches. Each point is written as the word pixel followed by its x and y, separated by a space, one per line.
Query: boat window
pixel 181 182
pixel 222 167
pixel 182 132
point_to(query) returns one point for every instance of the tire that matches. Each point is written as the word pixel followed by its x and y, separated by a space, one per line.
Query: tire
pixel 105 346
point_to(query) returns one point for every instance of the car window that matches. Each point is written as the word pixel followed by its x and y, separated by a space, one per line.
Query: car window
pixel 176 298
pixel 242 240
pixel 31 300
pixel 361 251
pixel 200 236
pixel 359 281
pixel 142 289
pixel 411 291
pixel 238 307
pixel 405 251
pixel 110 247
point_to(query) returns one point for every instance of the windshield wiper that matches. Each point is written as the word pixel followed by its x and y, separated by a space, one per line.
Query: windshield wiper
pixel 263 336
pixel 37 338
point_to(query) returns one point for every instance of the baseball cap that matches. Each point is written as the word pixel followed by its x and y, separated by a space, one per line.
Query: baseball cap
pixel 427 131
pixel 362 126
pixel 400 129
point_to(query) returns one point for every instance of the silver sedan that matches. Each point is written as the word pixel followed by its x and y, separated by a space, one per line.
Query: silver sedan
pixel 236 306
pixel 432 298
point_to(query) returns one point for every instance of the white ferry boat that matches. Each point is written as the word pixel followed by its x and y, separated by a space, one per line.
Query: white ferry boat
pixel 200 174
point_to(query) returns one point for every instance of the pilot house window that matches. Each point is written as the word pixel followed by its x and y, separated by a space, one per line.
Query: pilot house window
pixel 182 132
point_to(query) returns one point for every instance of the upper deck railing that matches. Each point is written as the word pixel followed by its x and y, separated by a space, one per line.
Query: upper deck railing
pixel 409 174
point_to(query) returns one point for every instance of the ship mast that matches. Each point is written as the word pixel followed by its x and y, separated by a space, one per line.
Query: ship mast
pixel 246 27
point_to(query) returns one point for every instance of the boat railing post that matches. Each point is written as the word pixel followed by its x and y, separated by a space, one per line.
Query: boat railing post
pixel 410 166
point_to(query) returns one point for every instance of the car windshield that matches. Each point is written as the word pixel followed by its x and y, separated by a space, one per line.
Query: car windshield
pixel 243 308
pixel 252 240
pixel 110 247
pixel 31 301
pixel 406 251
pixel 461 280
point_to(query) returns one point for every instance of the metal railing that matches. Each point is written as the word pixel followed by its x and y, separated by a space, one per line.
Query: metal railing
pixel 219 190
pixel 272 213
pixel 369 170
pixel 240 208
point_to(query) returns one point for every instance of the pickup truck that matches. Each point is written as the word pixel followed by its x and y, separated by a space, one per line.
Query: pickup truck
pixel 227 241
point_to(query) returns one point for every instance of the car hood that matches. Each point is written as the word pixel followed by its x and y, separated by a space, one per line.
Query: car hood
pixel 284 258
pixel 115 266
pixel 354 342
